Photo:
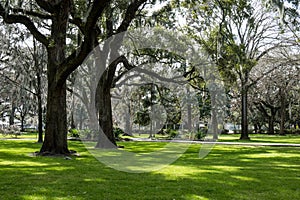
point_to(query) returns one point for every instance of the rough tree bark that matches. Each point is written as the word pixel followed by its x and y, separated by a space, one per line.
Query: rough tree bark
pixel 272 117
pixel 56 122
pixel 105 115
pixel 56 116
pixel 106 138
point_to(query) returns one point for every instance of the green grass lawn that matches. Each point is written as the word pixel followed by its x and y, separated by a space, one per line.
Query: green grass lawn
pixel 222 138
pixel 228 172
pixel 23 135
pixel 295 139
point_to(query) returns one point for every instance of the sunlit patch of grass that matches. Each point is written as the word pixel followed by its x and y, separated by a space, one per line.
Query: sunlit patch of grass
pixel 273 154
pixel 245 178
pixel 22 135
pixel 194 197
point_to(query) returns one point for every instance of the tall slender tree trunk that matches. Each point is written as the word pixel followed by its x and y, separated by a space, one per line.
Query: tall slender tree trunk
pixel 39 70
pixel 40 117
pixel 282 111
pixel 271 125
pixel 106 137
pixel 214 119
pixel 272 119
pixel 22 116
pixel 189 116
pixel 92 110
pixel 255 128
pixel 244 96
pixel 127 116
pixel 12 114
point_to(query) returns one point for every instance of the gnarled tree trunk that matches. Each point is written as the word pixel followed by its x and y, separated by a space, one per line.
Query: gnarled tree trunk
pixel 56 122
pixel 106 138
pixel 56 119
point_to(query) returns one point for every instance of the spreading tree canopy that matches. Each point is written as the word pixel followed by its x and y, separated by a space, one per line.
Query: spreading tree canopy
pixel 89 22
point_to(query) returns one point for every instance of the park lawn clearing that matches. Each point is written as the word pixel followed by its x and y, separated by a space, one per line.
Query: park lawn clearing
pixel 227 172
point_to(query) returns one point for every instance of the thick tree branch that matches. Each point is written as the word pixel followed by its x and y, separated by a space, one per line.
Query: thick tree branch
pixel 16 83
pixel 154 75
pixel 31 13
pixel 95 12
pixel 130 15
pixel 73 61
pixel 14 19
pixel 91 32
pixel 122 59
pixel 76 20
pixel 46 5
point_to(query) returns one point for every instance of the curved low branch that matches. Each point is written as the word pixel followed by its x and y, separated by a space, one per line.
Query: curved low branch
pixel 26 21
pixel 122 59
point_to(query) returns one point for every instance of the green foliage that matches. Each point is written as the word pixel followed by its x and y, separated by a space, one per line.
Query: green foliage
pixel 172 133
pixel 288 11
pixel 171 104
pixel 204 104
pixel 142 118
pixel 200 134
pixel 117 132
pixel 74 133
pixel 149 95
pixel 227 30
pixel 292 131
pixel 90 135
pixel 165 16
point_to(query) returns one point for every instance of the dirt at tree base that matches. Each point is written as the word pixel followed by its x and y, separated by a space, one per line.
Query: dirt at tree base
pixel 59 155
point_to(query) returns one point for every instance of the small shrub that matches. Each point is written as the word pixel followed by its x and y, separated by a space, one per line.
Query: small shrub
pixel 74 133
pixel 200 134
pixel 292 131
pixel 117 132
pixel 172 133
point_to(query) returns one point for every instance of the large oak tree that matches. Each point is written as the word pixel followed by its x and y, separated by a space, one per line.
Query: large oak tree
pixel 59 16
